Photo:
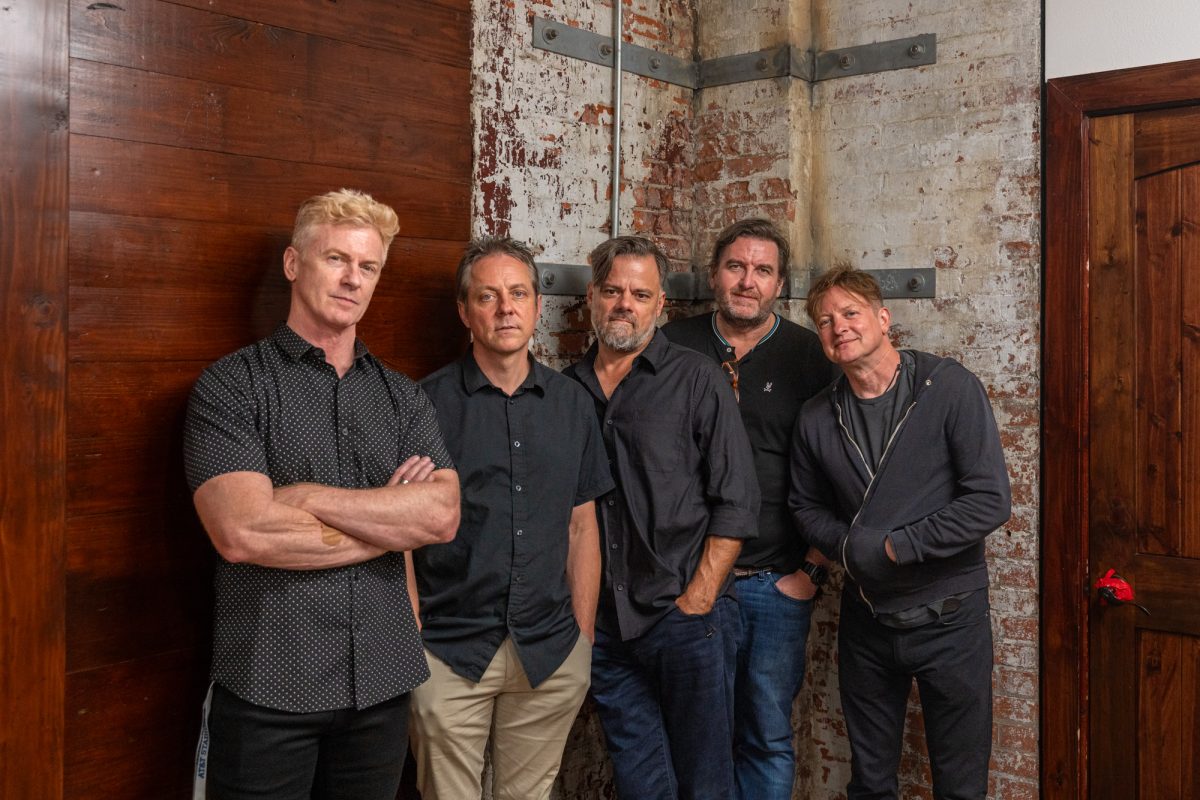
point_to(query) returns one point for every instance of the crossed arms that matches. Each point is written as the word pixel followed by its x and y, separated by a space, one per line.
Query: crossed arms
pixel 310 526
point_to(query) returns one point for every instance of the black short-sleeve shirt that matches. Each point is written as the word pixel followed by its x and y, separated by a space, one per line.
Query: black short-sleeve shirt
pixel 311 640
pixel 775 379
pixel 683 469
pixel 525 461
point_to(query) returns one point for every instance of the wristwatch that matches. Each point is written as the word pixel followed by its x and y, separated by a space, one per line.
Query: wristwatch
pixel 816 573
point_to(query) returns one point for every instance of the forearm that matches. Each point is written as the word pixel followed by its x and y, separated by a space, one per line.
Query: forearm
pixel 583 567
pixel 247 525
pixel 400 516
pixel 715 564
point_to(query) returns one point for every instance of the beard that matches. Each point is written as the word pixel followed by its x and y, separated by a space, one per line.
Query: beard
pixel 742 317
pixel 619 338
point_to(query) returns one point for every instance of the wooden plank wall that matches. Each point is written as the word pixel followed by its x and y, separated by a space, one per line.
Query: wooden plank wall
pixel 196 129
pixel 33 304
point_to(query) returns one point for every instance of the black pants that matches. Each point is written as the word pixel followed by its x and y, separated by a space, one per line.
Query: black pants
pixel 258 752
pixel 951 659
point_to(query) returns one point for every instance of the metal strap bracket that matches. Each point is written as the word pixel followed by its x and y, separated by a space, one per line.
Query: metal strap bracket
pixel 572 279
pixel 776 62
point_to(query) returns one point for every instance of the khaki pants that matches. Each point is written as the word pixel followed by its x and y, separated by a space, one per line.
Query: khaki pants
pixel 453 717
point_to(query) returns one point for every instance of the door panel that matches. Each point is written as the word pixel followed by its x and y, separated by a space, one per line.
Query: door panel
pixel 1144 424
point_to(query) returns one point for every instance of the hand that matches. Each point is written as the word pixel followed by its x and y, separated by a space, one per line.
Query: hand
pixel 415 470
pixel 797 585
pixel 891 551
pixel 692 606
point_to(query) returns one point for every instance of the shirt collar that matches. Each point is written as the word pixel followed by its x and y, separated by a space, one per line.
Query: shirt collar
pixel 295 346
pixel 717 333
pixel 474 379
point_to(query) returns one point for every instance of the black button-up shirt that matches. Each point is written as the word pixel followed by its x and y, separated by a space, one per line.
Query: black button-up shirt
pixel 783 370
pixel 684 471
pixel 524 463
pixel 311 640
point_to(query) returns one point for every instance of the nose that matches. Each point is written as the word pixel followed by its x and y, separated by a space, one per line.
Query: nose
pixel 505 305
pixel 745 281
pixel 351 275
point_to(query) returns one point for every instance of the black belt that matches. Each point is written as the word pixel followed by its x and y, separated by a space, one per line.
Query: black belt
pixel 917 616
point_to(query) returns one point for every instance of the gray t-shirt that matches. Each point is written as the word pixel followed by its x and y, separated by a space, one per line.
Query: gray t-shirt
pixel 872 421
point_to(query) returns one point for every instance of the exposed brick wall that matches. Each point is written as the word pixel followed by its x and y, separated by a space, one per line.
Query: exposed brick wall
pixel 939 167
pixel 930 167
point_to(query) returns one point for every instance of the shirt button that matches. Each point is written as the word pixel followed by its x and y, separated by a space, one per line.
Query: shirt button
pixel 519 579
pixel 613 546
pixel 608 422
pixel 612 502
pixel 620 587
pixel 516 444
pixel 345 431
pixel 520 531
pixel 517 487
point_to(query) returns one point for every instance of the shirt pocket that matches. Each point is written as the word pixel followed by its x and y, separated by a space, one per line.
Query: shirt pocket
pixel 659 442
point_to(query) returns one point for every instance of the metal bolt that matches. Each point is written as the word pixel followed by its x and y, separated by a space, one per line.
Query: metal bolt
pixel 655 63
pixel 606 50
pixel 550 34
pixel 547 279
pixel 915 283
pixel 916 51
pixel 761 65
pixel 845 61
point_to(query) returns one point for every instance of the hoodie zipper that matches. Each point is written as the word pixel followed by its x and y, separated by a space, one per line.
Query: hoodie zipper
pixel 870 484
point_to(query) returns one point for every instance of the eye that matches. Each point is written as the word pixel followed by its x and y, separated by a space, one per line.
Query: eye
pixel 520 294
pixel 823 322
pixel 608 291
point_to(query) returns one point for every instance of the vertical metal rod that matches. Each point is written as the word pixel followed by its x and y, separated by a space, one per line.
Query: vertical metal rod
pixel 615 203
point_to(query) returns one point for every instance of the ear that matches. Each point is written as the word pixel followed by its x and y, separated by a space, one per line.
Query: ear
pixel 779 287
pixel 589 294
pixel 662 300
pixel 462 314
pixel 537 311
pixel 291 257
pixel 885 318
pixel 712 278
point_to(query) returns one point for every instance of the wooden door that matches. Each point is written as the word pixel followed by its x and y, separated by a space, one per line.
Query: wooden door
pixel 154 156
pixel 1144 472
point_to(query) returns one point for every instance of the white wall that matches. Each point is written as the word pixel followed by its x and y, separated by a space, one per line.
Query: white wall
pixel 1084 36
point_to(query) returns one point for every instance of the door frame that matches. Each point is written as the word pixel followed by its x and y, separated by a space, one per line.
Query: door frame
pixel 1070 104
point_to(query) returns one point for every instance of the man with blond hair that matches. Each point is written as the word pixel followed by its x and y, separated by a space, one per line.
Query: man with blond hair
pixel 898 474
pixel 508 608
pixel 314 468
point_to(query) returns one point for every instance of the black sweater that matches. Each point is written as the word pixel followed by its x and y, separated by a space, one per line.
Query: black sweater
pixel 941 488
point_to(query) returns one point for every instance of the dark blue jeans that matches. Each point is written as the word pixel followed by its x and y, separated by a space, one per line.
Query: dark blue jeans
pixel 665 701
pixel 770 671
pixel 951 660
pixel 259 752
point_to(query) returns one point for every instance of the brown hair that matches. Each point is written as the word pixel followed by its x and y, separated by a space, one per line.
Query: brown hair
pixel 607 252
pixel 848 279
pixel 478 249
pixel 753 228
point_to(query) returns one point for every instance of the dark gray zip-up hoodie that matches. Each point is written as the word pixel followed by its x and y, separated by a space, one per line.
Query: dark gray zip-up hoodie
pixel 941 488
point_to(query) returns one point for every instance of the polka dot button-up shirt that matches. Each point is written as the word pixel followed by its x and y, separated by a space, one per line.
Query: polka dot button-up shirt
pixel 311 640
